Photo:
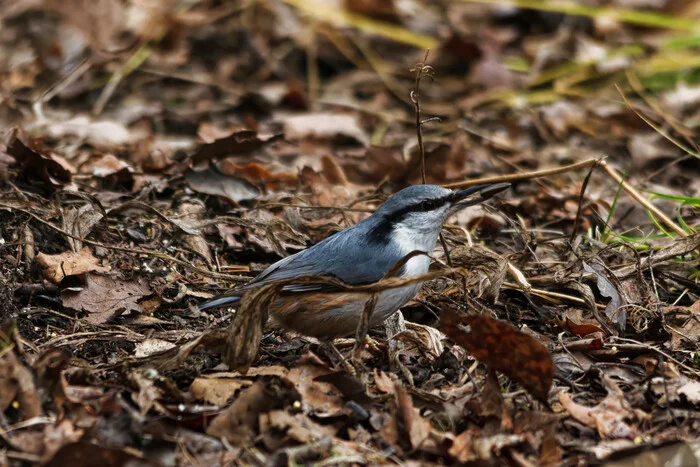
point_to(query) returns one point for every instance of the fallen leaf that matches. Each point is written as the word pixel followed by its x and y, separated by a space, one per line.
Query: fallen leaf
pixel 608 417
pixel 92 455
pixel 241 421
pixel 385 381
pixel 317 397
pixel 486 270
pixel 17 384
pixel 106 297
pixel 421 340
pixel 151 346
pixel 691 392
pixel 581 330
pixel 34 167
pixel 298 426
pixel 101 134
pixel 474 445
pixel 80 222
pixel 383 10
pixel 57 436
pixel 258 175
pixel 149 393
pixel 503 348
pixel 212 182
pixel 58 267
pixel 244 333
pixel 217 390
pixel 237 144
pixel 613 310
pixel 417 428
pixel 324 126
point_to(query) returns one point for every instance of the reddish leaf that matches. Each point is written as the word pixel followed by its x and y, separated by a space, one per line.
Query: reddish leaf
pixel 581 330
pixel 503 348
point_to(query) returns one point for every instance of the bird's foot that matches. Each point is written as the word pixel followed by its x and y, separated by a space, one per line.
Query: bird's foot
pixel 393 325
pixel 336 358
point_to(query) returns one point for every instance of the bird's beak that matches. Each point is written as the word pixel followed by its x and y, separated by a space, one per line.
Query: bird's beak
pixel 475 195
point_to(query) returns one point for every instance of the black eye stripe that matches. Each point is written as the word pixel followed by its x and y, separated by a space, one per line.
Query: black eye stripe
pixel 380 234
pixel 420 206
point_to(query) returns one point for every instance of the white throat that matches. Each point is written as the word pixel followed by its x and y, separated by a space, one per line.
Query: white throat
pixel 409 240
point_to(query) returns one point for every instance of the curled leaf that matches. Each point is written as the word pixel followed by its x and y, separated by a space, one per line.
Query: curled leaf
pixel 503 348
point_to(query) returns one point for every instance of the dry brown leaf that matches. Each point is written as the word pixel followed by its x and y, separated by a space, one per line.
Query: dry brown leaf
pixel 377 164
pixel 581 330
pixel 244 333
pixel 298 426
pixel 34 167
pixel 241 421
pixel 57 436
pixel 324 126
pixel 318 398
pixel 149 393
pixel 212 182
pixel 421 340
pixel 474 445
pixel 217 390
pixel 80 221
pixel 78 453
pixel 383 10
pixel 608 416
pixel 58 267
pixel 503 348
pixel 237 144
pixel 17 384
pixel 486 270
pixel 386 382
pixel 258 175
pixel 101 134
pixel 106 297
pixel 152 346
pixel 413 427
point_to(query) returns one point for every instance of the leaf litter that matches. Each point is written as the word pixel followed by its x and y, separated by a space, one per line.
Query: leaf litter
pixel 160 158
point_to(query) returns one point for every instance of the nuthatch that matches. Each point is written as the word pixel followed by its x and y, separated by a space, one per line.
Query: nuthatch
pixel 362 254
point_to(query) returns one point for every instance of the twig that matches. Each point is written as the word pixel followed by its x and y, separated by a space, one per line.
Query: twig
pixel 641 200
pixel 138 251
pixel 579 165
pixel 524 175
pixel 548 294
pixel 577 220
pixel 421 70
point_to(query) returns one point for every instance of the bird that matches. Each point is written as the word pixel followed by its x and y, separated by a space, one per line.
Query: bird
pixel 362 254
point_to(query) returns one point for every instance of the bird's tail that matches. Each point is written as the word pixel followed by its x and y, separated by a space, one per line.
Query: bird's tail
pixel 226 299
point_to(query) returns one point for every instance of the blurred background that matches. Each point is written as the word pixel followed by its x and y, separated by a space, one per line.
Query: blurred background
pixel 517 84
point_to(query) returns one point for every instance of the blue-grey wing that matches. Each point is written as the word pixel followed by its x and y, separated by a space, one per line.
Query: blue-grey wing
pixel 343 256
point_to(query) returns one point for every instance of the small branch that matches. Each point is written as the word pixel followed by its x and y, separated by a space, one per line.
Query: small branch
pixel 641 200
pixel 523 175
pixel 421 70
pixel 138 251
pixel 546 294
pixel 577 220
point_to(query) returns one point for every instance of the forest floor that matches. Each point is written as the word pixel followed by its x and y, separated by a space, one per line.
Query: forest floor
pixel 158 153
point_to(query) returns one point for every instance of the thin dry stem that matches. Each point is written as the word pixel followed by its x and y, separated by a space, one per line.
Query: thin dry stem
pixel 641 200
pixel 523 175
pixel 421 70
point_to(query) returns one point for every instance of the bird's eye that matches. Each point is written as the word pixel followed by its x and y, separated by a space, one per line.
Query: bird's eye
pixel 428 205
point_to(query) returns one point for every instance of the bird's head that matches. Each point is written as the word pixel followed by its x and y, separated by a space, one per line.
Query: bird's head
pixel 420 210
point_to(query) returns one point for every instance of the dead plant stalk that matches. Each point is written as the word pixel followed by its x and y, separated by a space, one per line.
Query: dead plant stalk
pixel 612 173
